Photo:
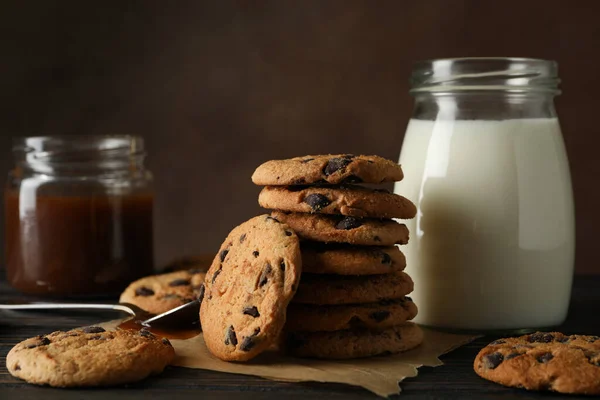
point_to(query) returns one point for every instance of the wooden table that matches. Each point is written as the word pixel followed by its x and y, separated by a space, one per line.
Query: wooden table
pixel 455 379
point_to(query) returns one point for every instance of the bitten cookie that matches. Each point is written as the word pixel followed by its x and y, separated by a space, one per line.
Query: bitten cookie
pixel 543 361
pixel 344 229
pixel 339 289
pixel 160 293
pixel 89 357
pixel 333 169
pixel 354 343
pixel 377 316
pixel 342 259
pixel 248 287
pixel 350 200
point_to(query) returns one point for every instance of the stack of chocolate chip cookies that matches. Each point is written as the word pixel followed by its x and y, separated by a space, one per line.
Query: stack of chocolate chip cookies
pixel 352 297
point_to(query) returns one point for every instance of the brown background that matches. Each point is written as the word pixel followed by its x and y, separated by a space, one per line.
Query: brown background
pixel 217 87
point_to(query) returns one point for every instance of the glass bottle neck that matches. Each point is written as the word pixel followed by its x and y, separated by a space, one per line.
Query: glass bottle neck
pixel 485 105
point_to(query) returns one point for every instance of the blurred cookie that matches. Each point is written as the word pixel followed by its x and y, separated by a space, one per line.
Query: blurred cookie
pixel 330 168
pixel 248 288
pixel 160 293
pixel 89 357
pixel 377 316
pixel 350 200
pixel 543 361
pixel 354 343
pixel 344 289
pixel 342 259
pixel 344 229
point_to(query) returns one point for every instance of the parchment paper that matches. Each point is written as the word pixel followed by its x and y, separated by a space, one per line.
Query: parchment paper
pixel 380 375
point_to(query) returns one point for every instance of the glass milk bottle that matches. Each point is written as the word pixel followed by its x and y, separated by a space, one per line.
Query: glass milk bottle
pixel 492 246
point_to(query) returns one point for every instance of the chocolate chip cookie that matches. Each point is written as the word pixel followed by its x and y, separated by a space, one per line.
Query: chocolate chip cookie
pixel 160 293
pixel 354 343
pixel 343 259
pixel 350 200
pixel 333 169
pixel 543 361
pixel 89 357
pixel 344 229
pixel 340 289
pixel 378 316
pixel 248 287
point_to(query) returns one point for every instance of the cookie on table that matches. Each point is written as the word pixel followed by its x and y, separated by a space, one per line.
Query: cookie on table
pixel 248 287
pixel 346 289
pixel 160 293
pixel 350 200
pixel 377 316
pixel 543 361
pixel 330 168
pixel 89 356
pixel 343 259
pixel 354 343
pixel 344 229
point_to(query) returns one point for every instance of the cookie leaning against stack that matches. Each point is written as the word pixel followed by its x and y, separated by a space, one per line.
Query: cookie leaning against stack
pixel 352 299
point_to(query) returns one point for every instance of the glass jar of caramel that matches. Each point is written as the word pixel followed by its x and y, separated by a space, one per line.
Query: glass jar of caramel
pixel 78 214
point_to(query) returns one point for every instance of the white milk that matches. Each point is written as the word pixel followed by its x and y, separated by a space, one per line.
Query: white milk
pixel 492 246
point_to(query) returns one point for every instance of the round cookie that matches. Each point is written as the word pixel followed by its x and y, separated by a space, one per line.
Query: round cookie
pixel 330 168
pixel 377 316
pixel 350 200
pixel 342 259
pixel 160 293
pixel 543 361
pixel 344 229
pixel 89 356
pixel 248 287
pixel 340 289
pixel 355 343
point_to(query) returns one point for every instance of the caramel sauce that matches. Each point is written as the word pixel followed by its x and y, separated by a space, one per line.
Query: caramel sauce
pixel 77 245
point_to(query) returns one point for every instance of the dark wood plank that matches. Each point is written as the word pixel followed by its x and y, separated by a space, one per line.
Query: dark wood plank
pixel 454 380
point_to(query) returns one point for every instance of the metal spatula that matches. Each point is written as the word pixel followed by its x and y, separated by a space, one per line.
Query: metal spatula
pixel 182 315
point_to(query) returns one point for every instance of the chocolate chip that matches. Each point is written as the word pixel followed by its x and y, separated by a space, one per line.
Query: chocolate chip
pixel 380 315
pixel 337 164
pixel 252 311
pixel 282 265
pixel 544 358
pixel 42 341
pixel 512 355
pixel 288 233
pixel 201 290
pixel 317 201
pixel 262 281
pixel 93 329
pixel 179 282
pixel 166 341
pixel 539 337
pixel 223 254
pixel 249 341
pixel 305 160
pixel 217 272
pixel 499 341
pixel 385 258
pixel 17 367
pixel 195 271
pixel 146 333
pixel 242 238
pixel 377 238
pixel 230 337
pixel 349 223
pixel 255 253
pixel 144 291
pixel 564 339
pixel 491 361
